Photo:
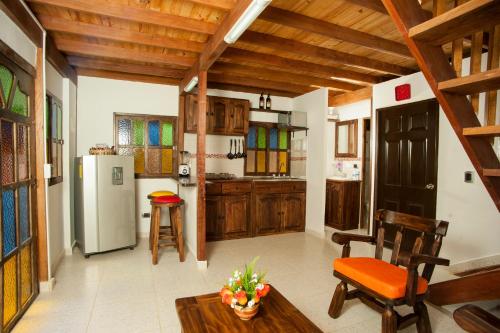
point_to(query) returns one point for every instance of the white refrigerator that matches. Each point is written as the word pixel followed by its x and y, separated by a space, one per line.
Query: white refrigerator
pixel 104 203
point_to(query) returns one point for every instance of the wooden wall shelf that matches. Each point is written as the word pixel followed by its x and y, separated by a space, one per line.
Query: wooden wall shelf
pixel 270 111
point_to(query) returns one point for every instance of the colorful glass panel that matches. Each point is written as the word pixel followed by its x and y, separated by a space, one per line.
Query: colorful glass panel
pixel 24 213
pixel 273 162
pixel 167 134
pixel 8 222
pixel 53 114
pixel 7 150
pixel 124 129
pixel 55 164
pixel 6 78
pixel 283 139
pixel 283 162
pixel 154 133
pixel 59 160
pixel 125 151
pixel 22 152
pixel 139 160
pixel 261 161
pixel 154 161
pixel 9 289
pixel 138 132
pixel 273 138
pixel 47 110
pixel 250 161
pixel 20 102
pixel 251 137
pixel 59 123
pixel 261 138
pixel 167 161
pixel 26 286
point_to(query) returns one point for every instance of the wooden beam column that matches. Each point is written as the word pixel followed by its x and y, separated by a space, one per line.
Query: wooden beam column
pixel 200 164
pixel 41 225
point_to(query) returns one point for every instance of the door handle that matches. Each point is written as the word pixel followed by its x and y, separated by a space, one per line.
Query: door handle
pixel 429 186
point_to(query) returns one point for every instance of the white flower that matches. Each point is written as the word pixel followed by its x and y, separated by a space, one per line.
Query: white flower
pixel 260 286
pixel 254 275
pixel 234 301
pixel 253 281
pixel 231 280
pixel 251 303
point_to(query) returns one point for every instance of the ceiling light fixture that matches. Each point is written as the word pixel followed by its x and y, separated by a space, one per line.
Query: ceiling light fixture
pixel 246 19
pixel 191 84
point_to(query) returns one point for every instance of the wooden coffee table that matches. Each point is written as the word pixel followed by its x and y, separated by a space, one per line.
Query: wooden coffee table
pixel 207 313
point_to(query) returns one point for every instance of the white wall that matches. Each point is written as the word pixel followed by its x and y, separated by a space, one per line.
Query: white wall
pixel 474 219
pixel 316 105
pixel 13 36
pixel 98 99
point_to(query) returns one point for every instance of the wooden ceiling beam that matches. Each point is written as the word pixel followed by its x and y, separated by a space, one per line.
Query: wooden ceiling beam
pixel 59 61
pixel 220 4
pixel 252 90
pixel 286 78
pixel 303 49
pixel 125 67
pixel 100 31
pixel 216 45
pixel 234 55
pixel 126 76
pixel 335 99
pixel 330 30
pixel 116 52
pixel 263 85
pixel 135 14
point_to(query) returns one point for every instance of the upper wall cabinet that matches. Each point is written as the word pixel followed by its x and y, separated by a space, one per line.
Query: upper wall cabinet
pixel 225 116
pixel 346 139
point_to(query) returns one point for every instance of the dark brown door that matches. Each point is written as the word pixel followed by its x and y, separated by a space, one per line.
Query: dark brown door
pixel 214 217
pixel 191 109
pixel 267 213
pixel 238 116
pixel 294 211
pixel 407 158
pixel 218 112
pixel 237 209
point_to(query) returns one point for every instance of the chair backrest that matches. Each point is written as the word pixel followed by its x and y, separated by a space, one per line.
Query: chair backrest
pixel 428 229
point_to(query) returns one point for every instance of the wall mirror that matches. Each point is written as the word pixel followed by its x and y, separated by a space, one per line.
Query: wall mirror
pixel 346 138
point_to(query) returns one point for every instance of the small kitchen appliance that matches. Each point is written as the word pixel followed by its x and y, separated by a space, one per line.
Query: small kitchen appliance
pixel 184 169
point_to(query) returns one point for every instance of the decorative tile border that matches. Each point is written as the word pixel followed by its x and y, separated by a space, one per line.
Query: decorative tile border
pixel 219 156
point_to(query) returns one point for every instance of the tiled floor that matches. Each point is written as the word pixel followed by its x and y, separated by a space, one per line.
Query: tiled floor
pixel 122 292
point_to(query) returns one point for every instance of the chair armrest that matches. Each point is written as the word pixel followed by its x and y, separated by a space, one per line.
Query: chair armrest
pixel 344 238
pixel 415 260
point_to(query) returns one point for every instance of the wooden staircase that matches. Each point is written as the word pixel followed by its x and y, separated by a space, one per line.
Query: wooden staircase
pixel 465 27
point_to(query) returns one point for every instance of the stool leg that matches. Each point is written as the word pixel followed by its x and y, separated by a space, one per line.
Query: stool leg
pixel 151 229
pixel 173 226
pixel 180 236
pixel 156 233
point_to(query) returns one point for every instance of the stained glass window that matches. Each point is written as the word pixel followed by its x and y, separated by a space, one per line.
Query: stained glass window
pixel 24 213
pixel 6 79
pixel 8 222
pixel 151 140
pixel 54 137
pixel 22 152
pixel 20 102
pixel 9 289
pixel 26 285
pixel 7 151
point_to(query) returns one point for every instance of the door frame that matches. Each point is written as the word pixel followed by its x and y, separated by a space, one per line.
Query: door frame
pixel 363 169
pixel 374 162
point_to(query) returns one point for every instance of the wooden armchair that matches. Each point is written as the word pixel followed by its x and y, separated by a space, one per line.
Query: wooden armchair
pixel 382 285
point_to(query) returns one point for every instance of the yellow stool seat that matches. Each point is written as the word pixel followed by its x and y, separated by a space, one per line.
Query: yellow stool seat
pixel 160 194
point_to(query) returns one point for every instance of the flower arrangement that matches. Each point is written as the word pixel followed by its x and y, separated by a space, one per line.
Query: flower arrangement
pixel 244 290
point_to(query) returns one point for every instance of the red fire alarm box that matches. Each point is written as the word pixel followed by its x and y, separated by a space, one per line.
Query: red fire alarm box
pixel 403 92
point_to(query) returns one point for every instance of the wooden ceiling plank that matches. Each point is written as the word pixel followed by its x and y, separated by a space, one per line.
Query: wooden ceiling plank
pixel 350 97
pixel 59 61
pixel 216 45
pixel 286 78
pixel 252 90
pixel 126 76
pixel 220 4
pixel 86 29
pixel 293 46
pixel 375 5
pixel 118 66
pixel 136 14
pixel 107 51
pixel 290 65
pixel 257 83
pixel 331 30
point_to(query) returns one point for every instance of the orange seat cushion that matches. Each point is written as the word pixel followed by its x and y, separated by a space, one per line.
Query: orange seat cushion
pixel 380 276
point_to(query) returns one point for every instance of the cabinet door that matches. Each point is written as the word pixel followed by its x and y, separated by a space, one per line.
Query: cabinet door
pixel 191 113
pixel 293 207
pixel 218 115
pixel 237 214
pixel 335 205
pixel 267 213
pixel 215 218
pixel 238 116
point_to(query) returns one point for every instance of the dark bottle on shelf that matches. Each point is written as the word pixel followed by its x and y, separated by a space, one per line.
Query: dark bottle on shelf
pixel 261 101
pixel 268 102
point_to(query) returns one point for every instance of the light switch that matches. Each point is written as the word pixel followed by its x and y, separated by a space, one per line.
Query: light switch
pixel 468 177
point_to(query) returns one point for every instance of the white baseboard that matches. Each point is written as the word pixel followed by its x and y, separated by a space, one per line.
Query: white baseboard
pixel 58 261
pixel 69 251
pixel 202 265
pixel 142 234
pixel 475 264
pixel 47 286
pixel 316 233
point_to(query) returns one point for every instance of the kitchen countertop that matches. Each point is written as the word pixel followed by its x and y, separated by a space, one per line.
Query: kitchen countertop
pixel 256 179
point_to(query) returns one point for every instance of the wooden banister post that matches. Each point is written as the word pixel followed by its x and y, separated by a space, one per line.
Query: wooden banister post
pixel 200 164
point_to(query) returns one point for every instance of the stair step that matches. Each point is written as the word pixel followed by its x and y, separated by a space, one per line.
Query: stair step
pixel 471 84
pixel 474 15
pixel 474 319
pixel 482 131
pixel 491 172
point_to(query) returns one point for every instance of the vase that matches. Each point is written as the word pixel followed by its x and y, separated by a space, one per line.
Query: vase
pixel 246 313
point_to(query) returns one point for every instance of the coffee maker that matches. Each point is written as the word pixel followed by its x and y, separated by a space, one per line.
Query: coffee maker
pixel 184 169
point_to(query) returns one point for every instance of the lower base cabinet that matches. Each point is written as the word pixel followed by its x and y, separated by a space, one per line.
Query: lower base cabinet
pixel 227 217
pixel 342 204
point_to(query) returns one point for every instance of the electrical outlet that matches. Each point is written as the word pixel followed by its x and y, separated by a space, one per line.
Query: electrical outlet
pixel 468 177
pixel 146 215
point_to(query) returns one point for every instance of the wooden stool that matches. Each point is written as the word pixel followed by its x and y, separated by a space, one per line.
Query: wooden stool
pixel 164 229
pixel 166 236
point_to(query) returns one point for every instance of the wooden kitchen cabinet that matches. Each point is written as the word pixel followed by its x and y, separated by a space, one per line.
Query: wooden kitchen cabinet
pixel 342 204
pixel 236 216
pixel 267 213
pixel 293 207
pixel 225 116
pixel 214 217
